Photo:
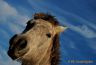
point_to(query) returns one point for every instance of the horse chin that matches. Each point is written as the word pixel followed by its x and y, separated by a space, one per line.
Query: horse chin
pixel 16 58
pixel 19 59
pixel 15 55
pixel 20 54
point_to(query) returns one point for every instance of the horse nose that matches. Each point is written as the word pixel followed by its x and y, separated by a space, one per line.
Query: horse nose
pixel 22 43
pixel 12 39
pixel 18 41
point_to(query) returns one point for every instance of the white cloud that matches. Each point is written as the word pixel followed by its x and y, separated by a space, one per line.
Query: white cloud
pixel 15 28
pixel 84 30
pixel 9 15
pixel 6 9
pixel 8 12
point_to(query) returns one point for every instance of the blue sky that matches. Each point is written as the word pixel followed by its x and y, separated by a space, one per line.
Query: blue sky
pixel 77 43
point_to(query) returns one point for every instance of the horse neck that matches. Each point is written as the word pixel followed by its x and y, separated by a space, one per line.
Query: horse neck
pixel 43 61
pixel 51 57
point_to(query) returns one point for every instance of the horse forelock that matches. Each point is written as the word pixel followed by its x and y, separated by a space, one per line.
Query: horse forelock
pixel 47 17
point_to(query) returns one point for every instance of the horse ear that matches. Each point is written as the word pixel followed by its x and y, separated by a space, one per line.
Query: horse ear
pixel 59 29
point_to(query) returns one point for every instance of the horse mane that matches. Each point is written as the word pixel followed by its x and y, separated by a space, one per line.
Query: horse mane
pixel 55 54
pixel 47 17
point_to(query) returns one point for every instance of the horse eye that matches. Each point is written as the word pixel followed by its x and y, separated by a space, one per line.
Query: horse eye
pixel 48 35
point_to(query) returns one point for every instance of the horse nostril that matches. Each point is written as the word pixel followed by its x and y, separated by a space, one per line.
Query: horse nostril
pixel 22 43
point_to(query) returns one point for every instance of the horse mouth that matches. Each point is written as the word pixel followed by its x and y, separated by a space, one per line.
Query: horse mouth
pixel 11 54
pixel 16 55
